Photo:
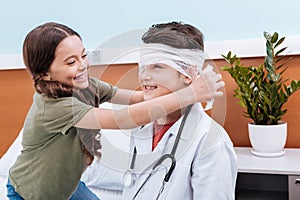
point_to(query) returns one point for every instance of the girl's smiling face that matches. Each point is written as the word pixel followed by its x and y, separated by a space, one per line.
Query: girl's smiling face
pixel 70 66
pixel 160 79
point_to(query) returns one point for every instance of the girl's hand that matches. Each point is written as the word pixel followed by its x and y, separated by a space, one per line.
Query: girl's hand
pixel 206 86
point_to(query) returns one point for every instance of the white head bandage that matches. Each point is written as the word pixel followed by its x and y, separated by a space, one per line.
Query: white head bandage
pixel 189 62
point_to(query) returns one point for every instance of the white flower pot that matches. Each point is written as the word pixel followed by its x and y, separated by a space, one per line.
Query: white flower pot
pixel 268 140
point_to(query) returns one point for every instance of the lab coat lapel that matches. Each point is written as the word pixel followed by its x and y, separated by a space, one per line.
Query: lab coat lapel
pixel 188 133
pixel 143 139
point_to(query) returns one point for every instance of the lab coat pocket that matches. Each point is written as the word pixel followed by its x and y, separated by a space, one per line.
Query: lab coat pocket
pixel 178 186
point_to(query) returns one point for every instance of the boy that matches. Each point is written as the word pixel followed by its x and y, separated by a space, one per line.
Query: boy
pixel 202 164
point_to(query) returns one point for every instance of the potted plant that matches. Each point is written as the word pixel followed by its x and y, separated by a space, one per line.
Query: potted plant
pixel 262 91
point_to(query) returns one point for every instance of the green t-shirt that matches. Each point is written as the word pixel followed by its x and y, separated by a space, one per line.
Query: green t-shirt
pixel 51 162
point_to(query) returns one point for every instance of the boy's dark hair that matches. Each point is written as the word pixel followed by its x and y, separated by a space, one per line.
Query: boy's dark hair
pixel 175 34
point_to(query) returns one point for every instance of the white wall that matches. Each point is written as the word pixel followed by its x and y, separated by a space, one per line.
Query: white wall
pixel 97 21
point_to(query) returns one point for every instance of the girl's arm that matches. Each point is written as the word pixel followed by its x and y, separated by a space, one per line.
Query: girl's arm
pixel 203 88
pixel 127 97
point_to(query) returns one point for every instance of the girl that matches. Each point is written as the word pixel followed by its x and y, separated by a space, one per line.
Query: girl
pixel 60 136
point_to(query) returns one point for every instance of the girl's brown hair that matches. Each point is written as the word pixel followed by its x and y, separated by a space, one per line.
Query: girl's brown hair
pixel 38 54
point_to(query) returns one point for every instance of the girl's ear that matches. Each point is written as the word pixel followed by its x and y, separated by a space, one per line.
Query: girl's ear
pixel 46 77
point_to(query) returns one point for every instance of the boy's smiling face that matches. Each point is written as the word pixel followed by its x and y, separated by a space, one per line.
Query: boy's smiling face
pixel 160 79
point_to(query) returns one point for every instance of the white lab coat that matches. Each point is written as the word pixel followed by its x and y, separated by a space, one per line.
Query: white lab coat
pixel 206 164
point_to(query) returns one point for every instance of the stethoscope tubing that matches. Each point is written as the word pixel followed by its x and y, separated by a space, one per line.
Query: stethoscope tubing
pixel 170 156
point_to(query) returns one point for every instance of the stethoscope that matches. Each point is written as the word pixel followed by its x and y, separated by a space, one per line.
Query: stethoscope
pixel 129 178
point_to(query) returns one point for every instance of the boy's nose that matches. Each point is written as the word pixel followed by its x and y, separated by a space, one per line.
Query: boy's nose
pixel 144 74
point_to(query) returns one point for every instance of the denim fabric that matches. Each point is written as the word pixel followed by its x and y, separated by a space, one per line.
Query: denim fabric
pixel 11 193
pixel 82 193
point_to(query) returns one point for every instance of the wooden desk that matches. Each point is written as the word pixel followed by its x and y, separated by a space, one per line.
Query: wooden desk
pixel 268 178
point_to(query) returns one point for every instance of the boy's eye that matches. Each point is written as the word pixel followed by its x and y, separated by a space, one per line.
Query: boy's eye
pixel 84 56
pixel 157 66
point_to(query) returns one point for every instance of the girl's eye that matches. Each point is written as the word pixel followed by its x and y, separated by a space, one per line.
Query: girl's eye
pixel 71 62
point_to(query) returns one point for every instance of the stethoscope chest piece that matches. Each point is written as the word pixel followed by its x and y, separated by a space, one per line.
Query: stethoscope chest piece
pixel 129 178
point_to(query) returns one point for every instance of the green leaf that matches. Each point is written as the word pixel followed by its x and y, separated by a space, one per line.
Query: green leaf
pixel 229 54
pixel 279 42
pixel 225 68
pixel 280 51
pixel 267 35
pixel 274 37
pixel 261 90
pixel 294 86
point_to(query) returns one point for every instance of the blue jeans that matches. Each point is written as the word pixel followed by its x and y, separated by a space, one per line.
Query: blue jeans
pixel 82 193
pixel 11 192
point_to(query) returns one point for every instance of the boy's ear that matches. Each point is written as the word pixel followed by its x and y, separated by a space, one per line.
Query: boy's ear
pixel 187 80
